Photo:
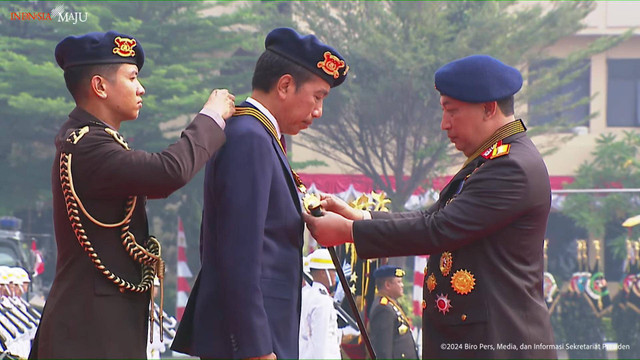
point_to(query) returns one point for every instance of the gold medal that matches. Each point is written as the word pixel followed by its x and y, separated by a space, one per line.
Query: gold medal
pixel 446 261
pixel 431 282
pixel 463 282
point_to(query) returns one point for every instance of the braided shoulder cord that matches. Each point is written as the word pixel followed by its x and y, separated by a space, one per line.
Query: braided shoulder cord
pixel 149 257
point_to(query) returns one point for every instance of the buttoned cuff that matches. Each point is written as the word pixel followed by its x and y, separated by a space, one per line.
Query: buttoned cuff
pixel 215 116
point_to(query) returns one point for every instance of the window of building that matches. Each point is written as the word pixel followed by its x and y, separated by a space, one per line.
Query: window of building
pixel 566 103
pixel 623 92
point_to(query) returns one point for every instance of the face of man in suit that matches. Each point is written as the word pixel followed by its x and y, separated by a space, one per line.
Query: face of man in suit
pixel 467 125
pixel 301 103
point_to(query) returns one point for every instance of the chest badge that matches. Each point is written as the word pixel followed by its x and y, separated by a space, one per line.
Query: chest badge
pixel 446 261
pixel 463 282
pixel 443 304
pixel 431 282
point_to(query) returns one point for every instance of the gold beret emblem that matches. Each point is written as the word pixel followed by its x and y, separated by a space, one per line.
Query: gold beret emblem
pixel 331 64
pixel 446 261
pixel 463 282
pixel 124 46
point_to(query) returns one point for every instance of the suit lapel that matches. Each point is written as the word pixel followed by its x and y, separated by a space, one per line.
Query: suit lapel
pixel 286 167
pixel 450 190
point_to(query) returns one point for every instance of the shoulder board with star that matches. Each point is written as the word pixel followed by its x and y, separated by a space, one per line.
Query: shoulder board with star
pixel 118 138
pixel 496 150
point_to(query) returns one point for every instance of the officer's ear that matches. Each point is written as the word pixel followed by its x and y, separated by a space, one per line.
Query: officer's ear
pixel 99 86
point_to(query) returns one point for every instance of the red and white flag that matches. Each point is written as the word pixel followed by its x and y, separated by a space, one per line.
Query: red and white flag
pixel 420 262
pixel 38 264
pixel 183 273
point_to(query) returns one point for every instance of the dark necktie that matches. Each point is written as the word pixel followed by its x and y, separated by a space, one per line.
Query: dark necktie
pixel 284 144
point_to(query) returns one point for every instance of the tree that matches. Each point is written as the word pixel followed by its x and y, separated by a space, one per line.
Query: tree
pixel 615 164
pixel 384 121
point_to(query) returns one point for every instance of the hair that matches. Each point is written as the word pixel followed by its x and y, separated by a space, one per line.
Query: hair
pixel 270 67
pixel 77 78
pixel 506 106
pixel 381 281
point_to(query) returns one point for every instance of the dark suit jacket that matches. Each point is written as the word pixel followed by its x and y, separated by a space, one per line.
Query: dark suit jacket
pixel 390 332
pixel 246 299
pixel 86 316
pixel 494 228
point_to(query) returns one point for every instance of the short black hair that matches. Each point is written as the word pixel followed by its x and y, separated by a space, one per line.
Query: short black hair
pixel 380 282
pixel 77 77
pixel 271 66
pixel 506 105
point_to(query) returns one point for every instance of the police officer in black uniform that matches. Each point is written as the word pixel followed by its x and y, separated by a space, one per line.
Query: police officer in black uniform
pixel 389 327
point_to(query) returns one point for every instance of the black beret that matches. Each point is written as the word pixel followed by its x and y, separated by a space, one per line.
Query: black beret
pixel 99 48
pixel 388 271
pixel 309 52
pixel 478 78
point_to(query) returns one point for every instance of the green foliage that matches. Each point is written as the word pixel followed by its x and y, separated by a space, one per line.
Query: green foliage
pixel 615 164
pixel 184 44
pixel 386 117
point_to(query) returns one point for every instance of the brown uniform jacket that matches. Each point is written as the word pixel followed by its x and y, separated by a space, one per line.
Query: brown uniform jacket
pixel 86 316
pixel 390 331
pixel 494 229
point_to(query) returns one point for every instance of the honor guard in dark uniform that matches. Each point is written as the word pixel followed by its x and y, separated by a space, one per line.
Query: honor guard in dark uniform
pixel 483 291
pixel 98 305
pixel 389 327
pixel 246 300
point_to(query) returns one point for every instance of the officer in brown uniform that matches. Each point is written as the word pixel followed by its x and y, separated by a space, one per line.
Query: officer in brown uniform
pixel 483 283
pixel 389 328
pixel 98 303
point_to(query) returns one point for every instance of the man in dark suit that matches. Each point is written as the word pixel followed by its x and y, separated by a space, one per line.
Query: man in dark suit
pixel 246 300
pixel 483 283
pixel 389 327
pixel 99 301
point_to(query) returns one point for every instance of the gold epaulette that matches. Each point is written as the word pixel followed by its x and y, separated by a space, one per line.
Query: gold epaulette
pixel 384 300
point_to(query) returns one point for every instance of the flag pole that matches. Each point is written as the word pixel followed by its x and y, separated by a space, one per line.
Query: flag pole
pixel 352 303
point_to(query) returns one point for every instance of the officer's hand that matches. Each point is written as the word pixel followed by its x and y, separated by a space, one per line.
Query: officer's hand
pixel 333 203
pixel 271 356
pixel 222 102
pixel 330 229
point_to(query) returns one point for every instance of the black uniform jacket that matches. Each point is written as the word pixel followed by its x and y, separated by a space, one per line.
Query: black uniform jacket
pixel 390 331
pixel 487 230
pixel 86 316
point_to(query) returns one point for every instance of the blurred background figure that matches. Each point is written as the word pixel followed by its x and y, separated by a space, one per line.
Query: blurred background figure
pixel 388 325
pixel 319 334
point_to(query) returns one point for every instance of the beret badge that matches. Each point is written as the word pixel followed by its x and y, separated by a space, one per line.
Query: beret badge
pixel 332 64
pixel 124 46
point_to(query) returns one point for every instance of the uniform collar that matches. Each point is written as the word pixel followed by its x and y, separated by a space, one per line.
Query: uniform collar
pixel 84 116
pixel 266 112
pixel 317 285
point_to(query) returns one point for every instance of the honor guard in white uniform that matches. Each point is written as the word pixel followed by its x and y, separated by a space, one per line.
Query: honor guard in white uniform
pixel 15 322
pixel 319 334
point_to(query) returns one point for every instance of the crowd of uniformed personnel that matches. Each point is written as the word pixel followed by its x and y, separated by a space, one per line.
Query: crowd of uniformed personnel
pixel 18 318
